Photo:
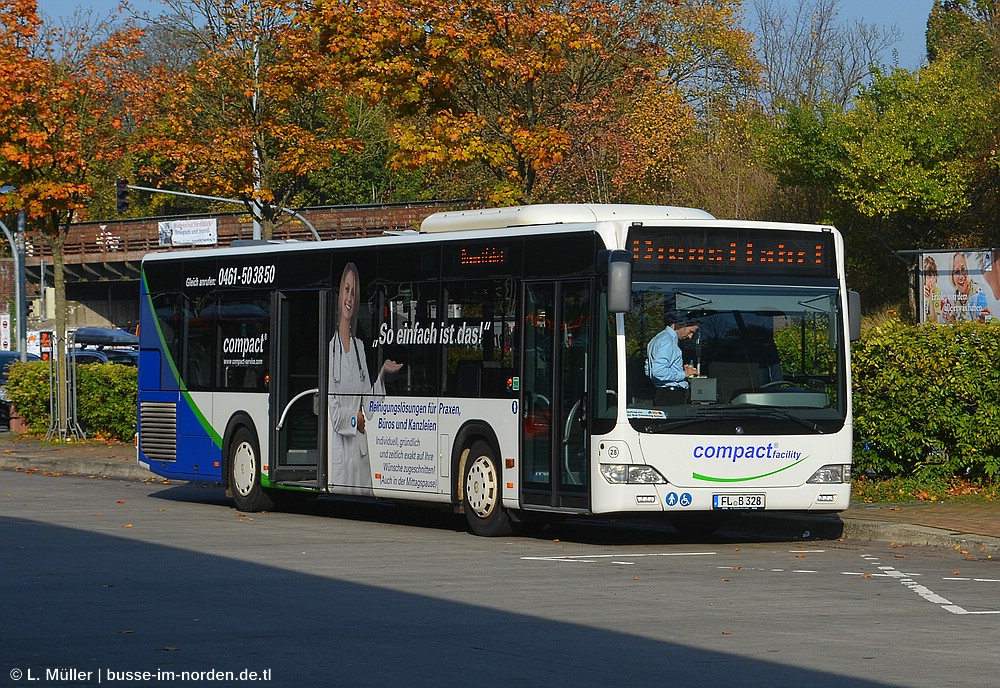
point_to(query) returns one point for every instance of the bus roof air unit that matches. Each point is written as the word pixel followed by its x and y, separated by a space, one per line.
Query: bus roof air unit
pixel 552 214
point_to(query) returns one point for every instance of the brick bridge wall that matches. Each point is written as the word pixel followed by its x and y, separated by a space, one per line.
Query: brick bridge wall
pixel 129 240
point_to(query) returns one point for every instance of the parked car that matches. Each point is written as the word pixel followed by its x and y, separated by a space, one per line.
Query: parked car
pixel 6 358
pixel 85 356
pixel 105 345
pixel 104 336
pixel 122 356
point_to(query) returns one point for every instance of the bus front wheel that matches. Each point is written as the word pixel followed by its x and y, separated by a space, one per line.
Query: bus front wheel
pixel 244 473
pixel 482 494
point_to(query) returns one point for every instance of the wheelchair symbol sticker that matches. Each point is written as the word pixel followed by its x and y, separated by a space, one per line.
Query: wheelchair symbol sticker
pixel 685 499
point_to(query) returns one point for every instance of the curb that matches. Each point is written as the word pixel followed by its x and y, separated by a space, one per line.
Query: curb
pixel 912 535
pixel 802 527
pixel 815 528
pixel 79 467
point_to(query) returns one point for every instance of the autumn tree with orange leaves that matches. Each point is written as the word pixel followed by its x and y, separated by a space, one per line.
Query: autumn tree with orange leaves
pixel 60 126
pixel 480 85
pixel 255 113
pixel 552 99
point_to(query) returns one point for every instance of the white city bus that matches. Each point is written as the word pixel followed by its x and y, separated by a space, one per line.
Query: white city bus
pixel 516 386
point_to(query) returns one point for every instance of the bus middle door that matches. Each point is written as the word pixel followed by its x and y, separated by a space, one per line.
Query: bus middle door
pixel 298 388
pixel 554 441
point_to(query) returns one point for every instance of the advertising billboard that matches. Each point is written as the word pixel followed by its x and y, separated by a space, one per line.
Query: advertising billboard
pixel 959 286
pixel 202 232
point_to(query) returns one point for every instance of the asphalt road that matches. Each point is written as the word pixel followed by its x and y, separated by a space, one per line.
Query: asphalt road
pixel 102 578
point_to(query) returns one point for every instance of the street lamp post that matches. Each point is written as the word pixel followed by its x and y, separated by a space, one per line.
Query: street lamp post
pixel 20 292
pixel 256 226
pixel 20 296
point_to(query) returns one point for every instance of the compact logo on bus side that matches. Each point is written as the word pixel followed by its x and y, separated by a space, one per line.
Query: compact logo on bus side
pixel 244 351
pixel 744 453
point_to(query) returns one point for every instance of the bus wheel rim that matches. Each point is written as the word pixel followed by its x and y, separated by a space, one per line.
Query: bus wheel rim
pixel 244 468
pixel 481 487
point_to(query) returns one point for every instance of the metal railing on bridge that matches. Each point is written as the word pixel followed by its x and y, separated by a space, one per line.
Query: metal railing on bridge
pixel 113 249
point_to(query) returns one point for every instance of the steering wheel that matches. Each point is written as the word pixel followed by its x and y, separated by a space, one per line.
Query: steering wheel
pixel 779 383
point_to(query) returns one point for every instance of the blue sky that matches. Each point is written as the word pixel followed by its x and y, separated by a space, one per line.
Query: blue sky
pixel 65 8
pixel 909 15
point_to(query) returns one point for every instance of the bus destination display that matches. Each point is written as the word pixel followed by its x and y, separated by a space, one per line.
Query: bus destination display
pixel 487 255
pixel 736 252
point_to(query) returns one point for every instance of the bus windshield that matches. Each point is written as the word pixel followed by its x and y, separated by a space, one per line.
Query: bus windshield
pixel 765 359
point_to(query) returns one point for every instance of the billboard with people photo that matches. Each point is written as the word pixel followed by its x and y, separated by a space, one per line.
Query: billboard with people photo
pixel 959 286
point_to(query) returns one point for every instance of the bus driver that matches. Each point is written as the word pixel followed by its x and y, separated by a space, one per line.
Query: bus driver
pixel 665 365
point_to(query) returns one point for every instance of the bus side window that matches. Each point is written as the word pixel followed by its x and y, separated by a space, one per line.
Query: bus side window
pixel 407 331
pixel 243 322
pixel 477 338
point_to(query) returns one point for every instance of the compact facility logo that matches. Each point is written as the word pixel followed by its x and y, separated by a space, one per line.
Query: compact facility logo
pixel 745 453
pixel 735 452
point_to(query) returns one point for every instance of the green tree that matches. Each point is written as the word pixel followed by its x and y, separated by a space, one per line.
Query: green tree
pixel 967 28
pixel 913 150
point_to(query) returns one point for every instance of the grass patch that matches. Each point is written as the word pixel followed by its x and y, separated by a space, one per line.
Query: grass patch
pixel 908 489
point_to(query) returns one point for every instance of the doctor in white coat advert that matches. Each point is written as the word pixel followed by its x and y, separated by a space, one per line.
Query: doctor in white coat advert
pixel 349 388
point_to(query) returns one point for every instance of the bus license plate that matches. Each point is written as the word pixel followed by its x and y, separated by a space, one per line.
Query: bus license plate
pixel 738 501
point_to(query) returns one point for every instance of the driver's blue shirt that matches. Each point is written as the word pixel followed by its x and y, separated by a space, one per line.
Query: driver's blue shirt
pixel 664 362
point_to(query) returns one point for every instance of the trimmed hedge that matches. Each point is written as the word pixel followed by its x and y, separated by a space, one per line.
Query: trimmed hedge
pixel 927 400
pixel 106 397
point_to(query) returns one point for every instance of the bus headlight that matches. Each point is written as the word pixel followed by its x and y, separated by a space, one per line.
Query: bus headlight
pixel 623 473
pixel 832 473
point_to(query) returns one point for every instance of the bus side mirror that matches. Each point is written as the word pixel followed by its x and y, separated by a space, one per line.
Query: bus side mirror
pixel 854 314
pixel 619 281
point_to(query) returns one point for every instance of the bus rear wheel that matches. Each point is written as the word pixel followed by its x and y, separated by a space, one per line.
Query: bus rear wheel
pixel 482 494
pixel 245 471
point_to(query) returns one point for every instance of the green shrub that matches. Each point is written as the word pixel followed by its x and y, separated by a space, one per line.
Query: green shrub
pixel 106 397
pixel 28 392
pixel 927 400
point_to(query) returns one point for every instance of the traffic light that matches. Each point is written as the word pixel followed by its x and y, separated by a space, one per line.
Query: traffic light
pixel 121 195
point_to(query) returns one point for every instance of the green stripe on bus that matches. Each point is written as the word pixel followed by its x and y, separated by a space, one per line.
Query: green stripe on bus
pixel 715 479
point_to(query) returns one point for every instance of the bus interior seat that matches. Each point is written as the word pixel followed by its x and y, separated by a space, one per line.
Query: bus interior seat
pixel 199 373
pixel 303 429
pixel 469 375
pixel 734 377
pixel 640 387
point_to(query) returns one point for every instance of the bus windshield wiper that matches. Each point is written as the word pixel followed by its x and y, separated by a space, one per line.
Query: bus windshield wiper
pixel 703 416
pixel 670 425
pixel 774 411
pixel 741 411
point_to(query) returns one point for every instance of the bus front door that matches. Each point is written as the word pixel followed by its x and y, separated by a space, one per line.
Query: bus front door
pixel 555 466
pixel 298 388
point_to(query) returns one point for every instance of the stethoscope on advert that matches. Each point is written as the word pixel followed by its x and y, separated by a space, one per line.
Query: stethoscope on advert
pixel 339 366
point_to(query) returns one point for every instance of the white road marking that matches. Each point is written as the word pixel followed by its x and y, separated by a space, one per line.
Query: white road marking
pixel 904 577
pixel 922 590
pixel 974 580
pixel 591 558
